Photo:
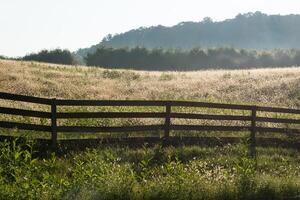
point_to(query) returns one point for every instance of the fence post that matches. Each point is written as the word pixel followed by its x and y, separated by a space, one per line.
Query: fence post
pixel 53 124
pixel 167 121
pixel 253 133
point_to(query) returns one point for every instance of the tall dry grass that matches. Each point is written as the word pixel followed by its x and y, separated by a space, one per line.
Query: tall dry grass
pixel 277 87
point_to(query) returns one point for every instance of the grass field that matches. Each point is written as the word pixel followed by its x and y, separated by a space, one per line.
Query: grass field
pixel 267 87
pixel 277 87
pixel 112 172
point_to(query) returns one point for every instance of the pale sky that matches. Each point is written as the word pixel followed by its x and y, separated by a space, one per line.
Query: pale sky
pixel 31 25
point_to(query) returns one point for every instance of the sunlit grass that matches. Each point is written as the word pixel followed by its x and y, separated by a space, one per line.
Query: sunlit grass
pixel 276 87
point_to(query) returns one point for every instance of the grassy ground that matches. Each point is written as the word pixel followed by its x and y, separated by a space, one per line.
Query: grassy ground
pixel 277 87
pixel 150 173
pixel 268 87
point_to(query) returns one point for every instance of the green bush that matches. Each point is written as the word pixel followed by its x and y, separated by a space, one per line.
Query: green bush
pixel 111 74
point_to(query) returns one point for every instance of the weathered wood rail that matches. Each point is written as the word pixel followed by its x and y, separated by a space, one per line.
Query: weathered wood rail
pixel 167 115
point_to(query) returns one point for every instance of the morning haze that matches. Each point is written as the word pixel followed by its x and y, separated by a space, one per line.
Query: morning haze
pixel 32 25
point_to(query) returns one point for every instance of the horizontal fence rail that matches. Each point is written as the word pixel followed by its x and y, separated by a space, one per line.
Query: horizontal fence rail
pixel 25 113
pixel 28 99
pixel 167 115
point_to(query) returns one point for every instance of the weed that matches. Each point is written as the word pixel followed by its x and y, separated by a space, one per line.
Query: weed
pixel 111 74
pixel 166 77
pixel 148 173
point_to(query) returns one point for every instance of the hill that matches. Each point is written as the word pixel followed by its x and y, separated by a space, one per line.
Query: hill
pixel 251 30
pixel 278 86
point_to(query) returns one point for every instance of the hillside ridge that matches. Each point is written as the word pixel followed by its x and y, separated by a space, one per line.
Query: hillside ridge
pixel 251 31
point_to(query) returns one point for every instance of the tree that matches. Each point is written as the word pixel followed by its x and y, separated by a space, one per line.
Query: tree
pixel 57 56
pixel 195 59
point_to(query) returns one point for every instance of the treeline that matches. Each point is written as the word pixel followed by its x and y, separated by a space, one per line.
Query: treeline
pixel 195 59
pixel 57 56
pixel 246 31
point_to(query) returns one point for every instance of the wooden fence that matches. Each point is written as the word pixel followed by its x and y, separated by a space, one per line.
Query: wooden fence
pixel 167 115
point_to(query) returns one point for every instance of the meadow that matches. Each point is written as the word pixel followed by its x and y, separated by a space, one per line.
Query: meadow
pixel 273 86
pixel 147 172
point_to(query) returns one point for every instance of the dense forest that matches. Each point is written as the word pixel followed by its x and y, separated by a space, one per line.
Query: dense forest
pixel 173 59
pixel 249 31
pixel 195 59
pixel 57 56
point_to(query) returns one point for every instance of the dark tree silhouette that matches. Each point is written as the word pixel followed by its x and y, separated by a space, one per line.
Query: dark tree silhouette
pixel 175 59
pixel 57 56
